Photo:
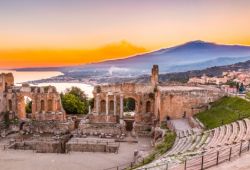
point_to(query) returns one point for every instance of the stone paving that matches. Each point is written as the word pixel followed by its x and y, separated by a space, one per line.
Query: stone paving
pixel 181 124
pixel 28 160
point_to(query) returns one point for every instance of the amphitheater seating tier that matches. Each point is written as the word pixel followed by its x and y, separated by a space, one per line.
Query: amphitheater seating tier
pixel 190 144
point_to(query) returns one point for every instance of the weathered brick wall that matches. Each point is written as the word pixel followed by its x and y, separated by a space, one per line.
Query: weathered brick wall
pixel 177 104
pixel 45 100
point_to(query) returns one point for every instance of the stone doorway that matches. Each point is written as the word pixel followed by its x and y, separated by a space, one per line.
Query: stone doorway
pixel 129 124
pixel 28 106
pixel 21 125
pixel 129 105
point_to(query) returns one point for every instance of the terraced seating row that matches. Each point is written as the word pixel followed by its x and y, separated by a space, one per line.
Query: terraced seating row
pixel 185 133
pixel 190 144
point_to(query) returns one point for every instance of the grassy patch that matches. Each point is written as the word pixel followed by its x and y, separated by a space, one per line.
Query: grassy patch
pixel 224 111
pixel 248 95
pixel 159 149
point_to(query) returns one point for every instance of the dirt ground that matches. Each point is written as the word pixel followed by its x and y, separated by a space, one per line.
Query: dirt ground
pixel 28 160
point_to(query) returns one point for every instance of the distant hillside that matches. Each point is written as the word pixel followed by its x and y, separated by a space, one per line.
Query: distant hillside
pixel 175 64
pixel 100 77
pixel 189 56
pixel 190 53
pixel 184 76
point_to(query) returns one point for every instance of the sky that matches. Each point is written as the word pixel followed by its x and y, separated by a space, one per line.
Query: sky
pixel 66 32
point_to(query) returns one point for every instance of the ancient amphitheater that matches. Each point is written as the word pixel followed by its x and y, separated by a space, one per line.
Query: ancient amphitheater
pixel 116 135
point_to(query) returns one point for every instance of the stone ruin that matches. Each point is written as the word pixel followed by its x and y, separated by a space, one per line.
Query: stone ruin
pixel 92 145
pixel 101 130
pixel 46 101
pixel 44 144
pixel 154 103
pixel 108 123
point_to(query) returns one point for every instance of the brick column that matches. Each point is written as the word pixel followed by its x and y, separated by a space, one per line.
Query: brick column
pixel 121 106
pixel 97 103
pixel 89 110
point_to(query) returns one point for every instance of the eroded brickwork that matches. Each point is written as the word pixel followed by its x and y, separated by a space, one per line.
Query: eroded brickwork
pixel 163 102
pixel 46 101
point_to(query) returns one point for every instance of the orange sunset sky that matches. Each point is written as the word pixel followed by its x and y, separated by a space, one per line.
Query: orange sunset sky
pixel 52 33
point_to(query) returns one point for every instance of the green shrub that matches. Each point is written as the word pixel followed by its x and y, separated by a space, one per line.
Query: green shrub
pixel 159 149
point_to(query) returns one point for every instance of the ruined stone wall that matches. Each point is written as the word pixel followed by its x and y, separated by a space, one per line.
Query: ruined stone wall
pixel 93 129
pixel 9 79
pixel 155 75
pixel 185 103
pixel 163 101
pixel 96 145
pixel 6 82
pixel 45 126
pixel 2 83
pixel 103 118
pixel 46 101
pixel 143 94
pixel 124 88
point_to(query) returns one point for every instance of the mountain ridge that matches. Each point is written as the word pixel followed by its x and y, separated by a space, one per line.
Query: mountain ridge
pixel 189 53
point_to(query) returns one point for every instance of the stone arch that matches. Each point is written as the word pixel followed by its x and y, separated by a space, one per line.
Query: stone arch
pixel 184 114
pixel 42 106
pixel 5 86
pixel 148 107
pixel 129 104
pixel 111 107
pixel 21 125
pixel 25 105
pixel 10 105
pixel 103 106
pixel 50 105
pixel 28 104
pixel 58 105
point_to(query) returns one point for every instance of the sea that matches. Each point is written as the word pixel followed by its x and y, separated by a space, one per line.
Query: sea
pixel 24 76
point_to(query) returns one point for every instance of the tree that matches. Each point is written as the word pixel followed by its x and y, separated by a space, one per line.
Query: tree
pixel 76 91
pixel 129 104
pixel 237 86
pixel 241 88
pixel 91 103
pixel 232 83
pixel 74 101
pixel 28 107
pixel 73 105
pixel 6 119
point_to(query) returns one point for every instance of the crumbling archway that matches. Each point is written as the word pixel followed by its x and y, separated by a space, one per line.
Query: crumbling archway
pixel 129 104
pixel 148 107
pixel 10 105
pixel 129 124
pixel 28 106
pixel 25 105
pixel 111 107
pixel 42 106
pixel 103 106
pixel 50 105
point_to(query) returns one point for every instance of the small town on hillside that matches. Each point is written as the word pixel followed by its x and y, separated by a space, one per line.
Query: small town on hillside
pixel 230 81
